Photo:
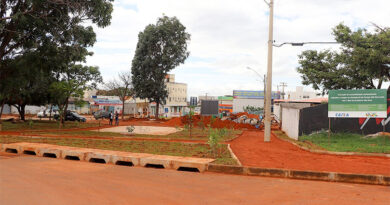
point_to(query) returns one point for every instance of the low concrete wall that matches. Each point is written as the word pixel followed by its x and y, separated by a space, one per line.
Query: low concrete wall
pixel 290 118
pixel 290 122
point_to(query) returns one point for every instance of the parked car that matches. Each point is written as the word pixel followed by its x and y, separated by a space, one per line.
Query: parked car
pixel 46 113
pixel 71 116
pixel 101 114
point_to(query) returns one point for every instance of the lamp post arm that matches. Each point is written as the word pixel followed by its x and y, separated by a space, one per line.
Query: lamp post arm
pixel 303 43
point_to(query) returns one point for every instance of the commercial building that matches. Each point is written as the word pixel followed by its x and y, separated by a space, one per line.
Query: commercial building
pixel 225 104
pixel 244 98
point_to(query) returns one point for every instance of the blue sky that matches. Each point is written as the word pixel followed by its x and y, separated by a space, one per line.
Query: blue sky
pixel 229 35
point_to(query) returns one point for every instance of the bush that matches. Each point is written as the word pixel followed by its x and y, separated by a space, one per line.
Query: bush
pixel 213 141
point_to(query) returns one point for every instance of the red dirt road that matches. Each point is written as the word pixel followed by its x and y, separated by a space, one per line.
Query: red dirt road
pixel 251 150
pixel 37 180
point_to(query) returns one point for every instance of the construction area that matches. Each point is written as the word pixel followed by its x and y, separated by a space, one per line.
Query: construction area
pixel 238 144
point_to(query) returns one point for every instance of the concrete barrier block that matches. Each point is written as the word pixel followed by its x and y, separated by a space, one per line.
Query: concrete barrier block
pixel 386 180
pixel 12 148
pixel 123 157
pixel 189 162
pixel 323 176
pixel 255 171
pixel 162 160
pixel 74 153
pixel 49 152
pixel 105 155
pixel 357 178
pixel 226 169
pixel 34 148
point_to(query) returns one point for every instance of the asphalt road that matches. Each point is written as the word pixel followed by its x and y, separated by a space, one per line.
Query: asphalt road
pixel 35 180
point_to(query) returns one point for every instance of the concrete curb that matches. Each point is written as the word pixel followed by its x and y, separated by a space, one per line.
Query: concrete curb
pixel 335 153
pixel 298 174
pixel 233 155
pixel 108 156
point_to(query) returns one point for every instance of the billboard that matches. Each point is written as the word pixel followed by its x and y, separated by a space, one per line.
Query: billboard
pixel 357 103
pixel 252 94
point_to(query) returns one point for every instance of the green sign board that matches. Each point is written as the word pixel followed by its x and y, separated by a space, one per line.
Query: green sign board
pixel 357 103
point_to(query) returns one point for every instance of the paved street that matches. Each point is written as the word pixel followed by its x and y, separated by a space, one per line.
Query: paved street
pixel 36 180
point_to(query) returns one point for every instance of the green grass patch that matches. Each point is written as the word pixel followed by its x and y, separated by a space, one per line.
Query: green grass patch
pixel 152 147
pixel 43 125
pixel 348 142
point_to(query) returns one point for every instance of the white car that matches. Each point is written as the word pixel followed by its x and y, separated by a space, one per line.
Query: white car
pixel 46 113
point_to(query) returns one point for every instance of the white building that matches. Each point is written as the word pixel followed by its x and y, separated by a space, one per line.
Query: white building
pixel 300 94
pixel 176 100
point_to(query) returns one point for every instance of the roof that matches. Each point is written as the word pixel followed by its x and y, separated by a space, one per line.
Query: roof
pixel 313 100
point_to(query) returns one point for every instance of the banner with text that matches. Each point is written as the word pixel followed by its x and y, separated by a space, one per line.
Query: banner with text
pixel 357 103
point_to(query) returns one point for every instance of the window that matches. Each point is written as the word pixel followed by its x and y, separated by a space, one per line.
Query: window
pixel 171 109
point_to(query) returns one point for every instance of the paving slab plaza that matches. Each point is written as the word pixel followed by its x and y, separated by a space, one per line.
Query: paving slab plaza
pixel 146 130
pixel 37 180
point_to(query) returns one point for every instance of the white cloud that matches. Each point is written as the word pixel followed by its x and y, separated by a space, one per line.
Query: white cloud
pixel 229 35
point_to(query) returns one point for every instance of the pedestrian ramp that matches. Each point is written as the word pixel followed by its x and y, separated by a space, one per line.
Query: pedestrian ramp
pixel 108 156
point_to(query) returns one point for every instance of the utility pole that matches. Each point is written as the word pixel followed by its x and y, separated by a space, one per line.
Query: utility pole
pixel 283 84
pixel 267 123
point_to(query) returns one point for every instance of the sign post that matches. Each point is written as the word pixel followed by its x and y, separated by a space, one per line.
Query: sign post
pixel 357 103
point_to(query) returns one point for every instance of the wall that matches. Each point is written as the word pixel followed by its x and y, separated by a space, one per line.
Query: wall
pixel 130 108
pixel 6 109
pixel 290 121
pixel 316 118
pixel 30 109
pixel 277 112
pixel 239 104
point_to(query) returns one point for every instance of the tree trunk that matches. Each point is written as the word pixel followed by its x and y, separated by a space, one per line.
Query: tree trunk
pixel 380 84
pixel 51 110
pixel 1 113
pixel 123 109
pixel 64 113
pixel 157 109
pixel 22 112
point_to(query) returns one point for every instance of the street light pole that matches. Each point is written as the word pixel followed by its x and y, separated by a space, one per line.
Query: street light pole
pixel 267 123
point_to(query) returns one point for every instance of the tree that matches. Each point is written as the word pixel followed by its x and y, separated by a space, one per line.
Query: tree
pixel 161 47
pixel 364 61
pixel 121 88
pixel 24 24
pixel 72 83
pixel 28 86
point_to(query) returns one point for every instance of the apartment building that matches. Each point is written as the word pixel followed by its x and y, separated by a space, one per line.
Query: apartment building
pixel 176 100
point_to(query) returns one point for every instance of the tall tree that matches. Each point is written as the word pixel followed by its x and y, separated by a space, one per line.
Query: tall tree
pixel 161 47
pixel 363 62
pixel 121 88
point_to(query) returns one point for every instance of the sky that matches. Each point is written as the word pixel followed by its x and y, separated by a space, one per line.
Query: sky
pixel 227 36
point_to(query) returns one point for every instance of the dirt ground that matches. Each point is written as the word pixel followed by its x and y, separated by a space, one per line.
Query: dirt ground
pixel 37 180
pixel 251 150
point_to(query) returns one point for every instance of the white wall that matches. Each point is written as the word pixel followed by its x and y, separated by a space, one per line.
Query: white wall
pixel 29 109
pixel 290 122
pixel 277 112
pixel 239 104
